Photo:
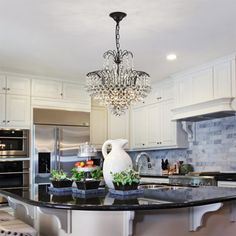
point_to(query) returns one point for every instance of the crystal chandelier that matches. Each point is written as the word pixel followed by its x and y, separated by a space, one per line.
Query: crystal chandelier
pixel 118 85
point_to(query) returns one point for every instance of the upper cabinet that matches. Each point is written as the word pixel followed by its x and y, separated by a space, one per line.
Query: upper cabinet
pixel 195 88
pixel 151 125
pixel 213 81
pixel 15 101
pixel 224 79
pixel 47 88
pixel 60 94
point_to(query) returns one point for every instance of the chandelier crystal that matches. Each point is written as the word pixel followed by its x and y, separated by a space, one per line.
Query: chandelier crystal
pixel 118 85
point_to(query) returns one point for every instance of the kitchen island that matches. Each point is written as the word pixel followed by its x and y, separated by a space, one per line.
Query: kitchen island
pixel 103 213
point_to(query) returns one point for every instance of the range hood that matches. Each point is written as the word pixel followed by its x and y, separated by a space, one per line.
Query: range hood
pixel 217 108
pixel 61 117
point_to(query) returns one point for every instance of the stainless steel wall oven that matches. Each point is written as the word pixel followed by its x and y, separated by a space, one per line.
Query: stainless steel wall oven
pixel 14 143
pixel 14 176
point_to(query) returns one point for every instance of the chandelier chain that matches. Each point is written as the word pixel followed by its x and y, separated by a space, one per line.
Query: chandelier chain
pixel 117 33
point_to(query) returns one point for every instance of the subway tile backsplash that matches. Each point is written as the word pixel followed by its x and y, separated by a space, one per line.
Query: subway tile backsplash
pixel 212 148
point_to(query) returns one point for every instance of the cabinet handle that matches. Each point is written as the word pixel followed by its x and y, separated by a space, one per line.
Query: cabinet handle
pixel 3 88
pixel 4 121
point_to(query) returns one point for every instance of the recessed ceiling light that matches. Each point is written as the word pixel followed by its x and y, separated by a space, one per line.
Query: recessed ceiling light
pixel 171 57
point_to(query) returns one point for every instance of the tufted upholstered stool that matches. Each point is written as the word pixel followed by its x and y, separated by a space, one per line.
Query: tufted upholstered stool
pixel 10 226
pixel 5 216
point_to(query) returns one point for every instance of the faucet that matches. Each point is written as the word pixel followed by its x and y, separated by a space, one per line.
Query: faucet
pixel 143 154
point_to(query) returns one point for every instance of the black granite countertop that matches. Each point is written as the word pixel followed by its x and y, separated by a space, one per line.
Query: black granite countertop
pixel 165 197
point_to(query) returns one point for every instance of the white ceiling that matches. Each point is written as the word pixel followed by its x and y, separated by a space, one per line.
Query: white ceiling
pixel 67 38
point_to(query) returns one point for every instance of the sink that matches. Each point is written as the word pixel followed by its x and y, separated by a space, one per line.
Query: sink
pixel 160 186
pixel 151 186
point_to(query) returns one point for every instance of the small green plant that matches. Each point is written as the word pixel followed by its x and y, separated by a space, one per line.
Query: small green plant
pixel 126 177
pixel 77 175
pixel 97 174
pixel 58 175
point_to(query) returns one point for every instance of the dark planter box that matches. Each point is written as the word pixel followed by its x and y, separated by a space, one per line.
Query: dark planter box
pixel 61 183
pixel 126 187
pixel 88 184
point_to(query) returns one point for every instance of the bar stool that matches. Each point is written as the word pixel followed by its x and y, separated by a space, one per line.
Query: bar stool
pixel 16 228
pixel 5 216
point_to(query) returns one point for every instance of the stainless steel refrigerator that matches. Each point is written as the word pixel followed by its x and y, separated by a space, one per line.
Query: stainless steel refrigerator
pixel 55 146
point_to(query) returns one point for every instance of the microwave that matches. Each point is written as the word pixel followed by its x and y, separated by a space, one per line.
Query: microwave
pixel 14 143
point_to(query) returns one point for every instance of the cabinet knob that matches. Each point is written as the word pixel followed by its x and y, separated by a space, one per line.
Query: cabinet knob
pixel 8 121
pixel 61 94
pixel 143 144
pixel 4 121
pixel 8 89
pixel 3 88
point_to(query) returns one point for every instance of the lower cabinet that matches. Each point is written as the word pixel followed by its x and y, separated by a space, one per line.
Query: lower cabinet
pixel 152 127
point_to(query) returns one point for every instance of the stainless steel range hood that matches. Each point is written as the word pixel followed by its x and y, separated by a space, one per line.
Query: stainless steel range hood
pixel 217 108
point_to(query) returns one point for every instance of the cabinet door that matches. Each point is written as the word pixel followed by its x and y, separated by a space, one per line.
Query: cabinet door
pixel 47 88
pixel 118 126
pixel 222 80
pixel 77 92
pixel 139 123
pixel 168 127
pixel 3 85
pixel 184 91
pixel 18 110
pixel 154 125
pixel 98 126
pixel 202 86
pixel 2 109
pixel 18 85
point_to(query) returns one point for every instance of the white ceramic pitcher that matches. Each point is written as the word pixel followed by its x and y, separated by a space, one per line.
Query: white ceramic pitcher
pixel 117 160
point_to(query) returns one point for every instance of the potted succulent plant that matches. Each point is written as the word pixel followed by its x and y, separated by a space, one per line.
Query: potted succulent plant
pixel 126 180
pixel 87 183
pixel 60 179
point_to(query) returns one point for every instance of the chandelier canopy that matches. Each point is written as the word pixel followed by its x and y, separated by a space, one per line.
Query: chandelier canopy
pixel 118 85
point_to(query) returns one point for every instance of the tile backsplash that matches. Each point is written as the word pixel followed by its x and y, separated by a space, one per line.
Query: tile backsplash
pixel 212 148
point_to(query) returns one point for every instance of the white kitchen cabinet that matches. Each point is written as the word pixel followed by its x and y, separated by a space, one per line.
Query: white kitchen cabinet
pixel 153 123
pixel 118 126
pixel 139 127
pixel 2 109
pixel 17 111
pixel 18 85
pixel 2 84
pixel 15 85
pixel 46 88
pixel 98 126
pixel 152 127
pixel 55 94
pixel 223 79
pixel 202 86
pixel 169 128
pixel 195 88
pixel 15 101
pixel 76 92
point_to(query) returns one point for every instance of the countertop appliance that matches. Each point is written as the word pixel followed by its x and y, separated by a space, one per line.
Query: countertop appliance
pixel 14 143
